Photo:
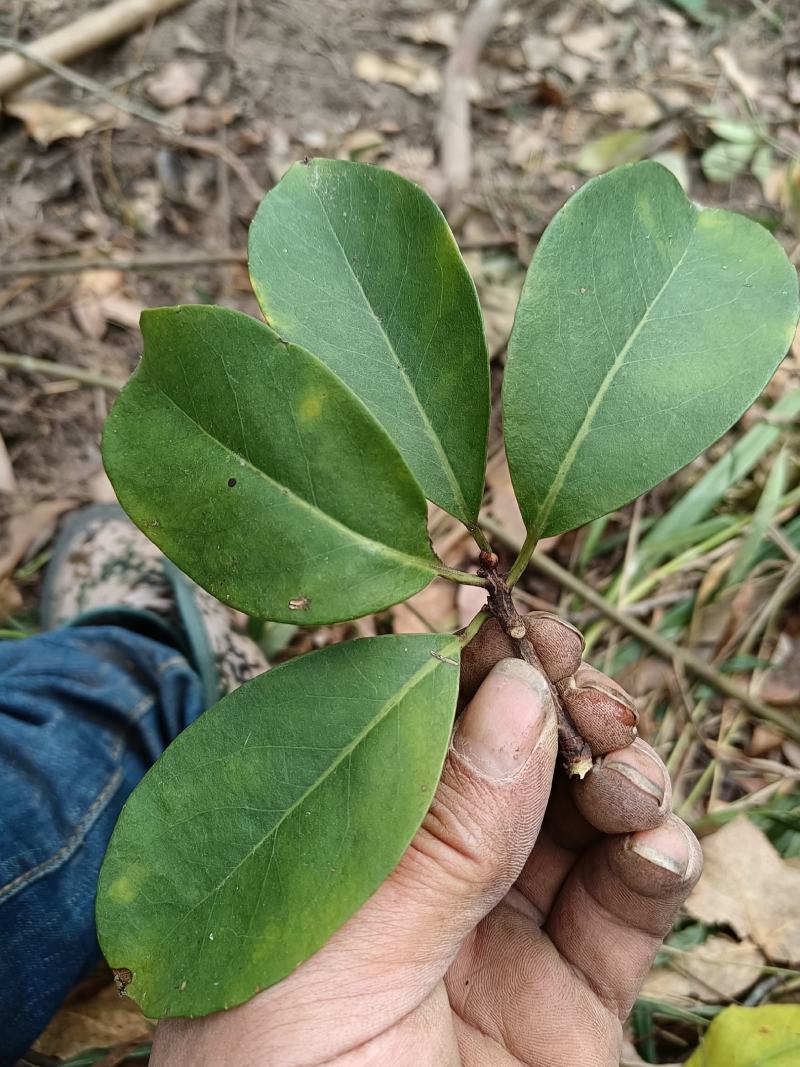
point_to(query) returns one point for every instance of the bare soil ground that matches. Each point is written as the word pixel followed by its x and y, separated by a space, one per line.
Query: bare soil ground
pixel 252 86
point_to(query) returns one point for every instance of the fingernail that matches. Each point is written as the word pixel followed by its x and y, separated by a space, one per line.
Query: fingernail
pixel 668 847
pixel 628 790
pixel 505 720
pixel 631 764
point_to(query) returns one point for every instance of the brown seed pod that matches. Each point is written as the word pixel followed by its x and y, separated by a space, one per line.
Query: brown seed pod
pixel 601 710
pixel 558 645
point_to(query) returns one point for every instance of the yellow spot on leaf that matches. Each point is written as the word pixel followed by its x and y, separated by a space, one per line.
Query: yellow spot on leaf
pixel 310 407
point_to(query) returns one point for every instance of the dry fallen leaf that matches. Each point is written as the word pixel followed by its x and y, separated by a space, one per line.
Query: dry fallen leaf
pixel 362 144
pixel 748 886
pixel 780 683
pixel 435 605
pixel 46 122
pixel 541 52
pixel 440 27
pixel 747 84
pixel 175 83
pixel 634 106
pixel 502 504
pixel 590 42
pixel 21 530
pixel 719 969
pixel 98 301
pixel 96 1018
pixel 407 71
pixel 8 483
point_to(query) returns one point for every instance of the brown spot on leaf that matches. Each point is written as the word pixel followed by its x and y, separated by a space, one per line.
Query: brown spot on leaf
pixel 300 603
pixel 122 978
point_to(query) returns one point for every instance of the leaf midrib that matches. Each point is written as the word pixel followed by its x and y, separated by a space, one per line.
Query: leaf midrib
pixel 418 562
pixel 428 426
pixel 586 425
pixel 430 665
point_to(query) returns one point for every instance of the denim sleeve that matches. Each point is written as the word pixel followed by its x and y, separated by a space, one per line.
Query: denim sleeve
pixel 83 713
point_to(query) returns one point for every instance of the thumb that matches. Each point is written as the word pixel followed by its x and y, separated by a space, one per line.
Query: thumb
pixel 486 813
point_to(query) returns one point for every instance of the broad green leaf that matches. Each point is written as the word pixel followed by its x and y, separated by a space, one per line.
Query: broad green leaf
pixel 250 464
pixel 359 265
pixel 724 160
pixel 739 131
pixel 767 506
pixel 706 493
pixel 767 1036
pixel 272 818
pixel 646 326
pixel 621 146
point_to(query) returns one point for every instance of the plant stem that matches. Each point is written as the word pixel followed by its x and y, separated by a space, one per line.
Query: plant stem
pixel 524 556
pixel 473 628
pixel 660 644
pixel 575 752
pixel 479 537
pixel 462 577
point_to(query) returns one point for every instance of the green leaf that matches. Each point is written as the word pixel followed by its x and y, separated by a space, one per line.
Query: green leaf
pixel 272 818
pixel 250 464
pixel 751 1037
pixel 646 326
pixel 359 265
pixel 724 160
pixel 706 493
pixel 739 131
pixel 767 506
pixel 621 146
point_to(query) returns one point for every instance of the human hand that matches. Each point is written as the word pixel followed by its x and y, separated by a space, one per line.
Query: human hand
pixel 520 923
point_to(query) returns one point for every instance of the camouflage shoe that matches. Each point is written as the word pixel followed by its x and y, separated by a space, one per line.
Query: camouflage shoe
pixel 103 570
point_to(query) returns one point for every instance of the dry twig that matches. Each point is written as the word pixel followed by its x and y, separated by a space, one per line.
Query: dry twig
pixel 94 30
pixel 455 138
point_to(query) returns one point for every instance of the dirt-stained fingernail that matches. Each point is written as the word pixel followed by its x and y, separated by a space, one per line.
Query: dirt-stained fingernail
pixel 507 718
pixel 671 847
pixel 628 790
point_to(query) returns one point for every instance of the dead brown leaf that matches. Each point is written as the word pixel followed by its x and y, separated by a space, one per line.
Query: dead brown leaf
pixel 590 42
pixel 780 683
pixel 10 599
pixel 175 83
pixel 98 1018
pixel 8 482
pixel 748 886
pixel 719 969
pixel 502 505
pixel 22 529
pixel 748 84
pixel 541 52
pixel 46 122
pixel 470 599
pixel 634 106
pixel 407 71
pixel 432 610
pixel 98 301
pixel 440 27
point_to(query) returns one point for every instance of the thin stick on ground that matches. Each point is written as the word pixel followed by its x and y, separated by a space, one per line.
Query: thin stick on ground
pixel 31 365
pixel 93 30
pixel 455 136
pixel 89 85
pixel 158 262
pixel 660 644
